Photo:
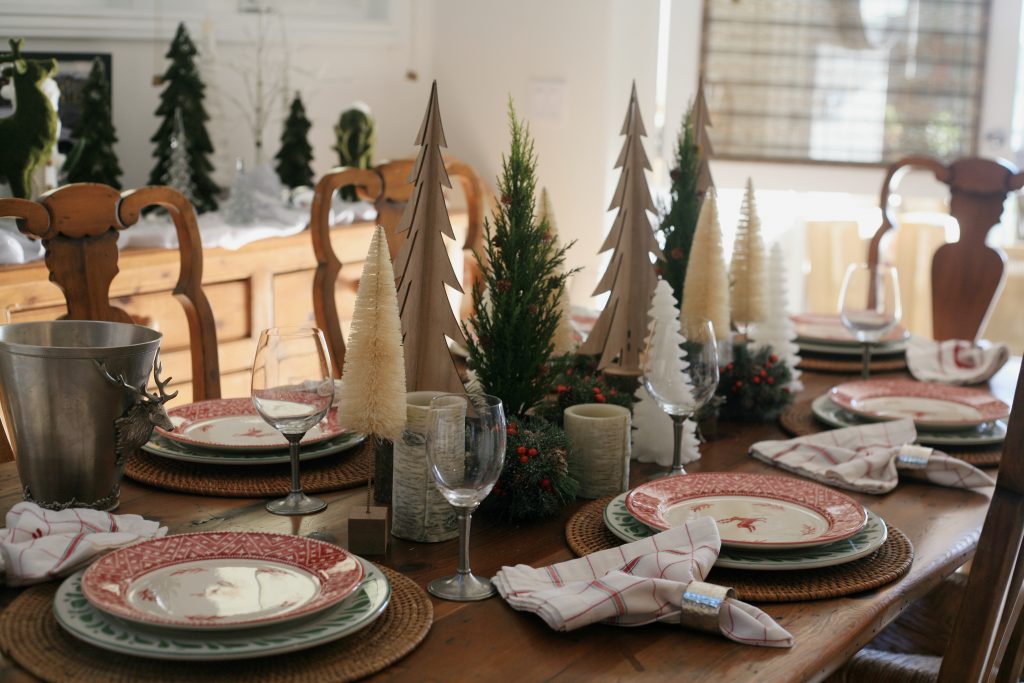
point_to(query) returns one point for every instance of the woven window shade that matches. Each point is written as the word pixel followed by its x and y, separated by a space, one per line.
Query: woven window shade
pixel 849 81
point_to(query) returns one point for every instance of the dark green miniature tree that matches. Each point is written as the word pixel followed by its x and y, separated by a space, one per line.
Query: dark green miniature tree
pixel 355 142
pixel 92 159
pixel 184 93
pixel 295 155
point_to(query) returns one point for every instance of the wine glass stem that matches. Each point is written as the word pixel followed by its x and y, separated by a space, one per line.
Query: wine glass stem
pixel 866 369
pixel 464 515
pixel 677 444
pixel 293 449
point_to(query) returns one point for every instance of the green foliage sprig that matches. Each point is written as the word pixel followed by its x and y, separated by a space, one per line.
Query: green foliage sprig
pixel 580 382
pixel 754 385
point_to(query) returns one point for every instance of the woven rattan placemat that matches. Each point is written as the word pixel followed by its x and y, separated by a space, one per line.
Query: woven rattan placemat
pixel 587 533
pixel 850 365
pixel 30 635
pixel 799 420
pixel 342 471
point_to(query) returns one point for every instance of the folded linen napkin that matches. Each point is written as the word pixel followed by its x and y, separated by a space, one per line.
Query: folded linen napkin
pixel 867 458
pixel 634 584
pixel 954 361
pixel 40 544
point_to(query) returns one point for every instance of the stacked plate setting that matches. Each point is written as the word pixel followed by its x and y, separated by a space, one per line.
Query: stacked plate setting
pixel 945 416
pixel 766 522
pixel 824 335
pixel 220 596
pixel 230 432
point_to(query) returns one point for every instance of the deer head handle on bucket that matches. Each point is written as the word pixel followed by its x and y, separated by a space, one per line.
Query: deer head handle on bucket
pixel 135 426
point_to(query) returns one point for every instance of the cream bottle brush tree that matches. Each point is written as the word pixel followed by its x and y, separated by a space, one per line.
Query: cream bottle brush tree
pixel 617 337
pixel 747 270
pixel 707 280
pixel 777 329
pixel 564 340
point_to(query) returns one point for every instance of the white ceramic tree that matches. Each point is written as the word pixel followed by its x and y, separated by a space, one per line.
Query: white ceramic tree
pixel 664 345
pixel 777 330
pixel 707 280
pixel 565 337
pixel 652 433
pixel 747 270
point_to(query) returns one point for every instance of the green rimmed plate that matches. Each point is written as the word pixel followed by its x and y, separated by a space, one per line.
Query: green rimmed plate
pixel 988 434
pixel 83 621
pixel 174 450
pixel 626 527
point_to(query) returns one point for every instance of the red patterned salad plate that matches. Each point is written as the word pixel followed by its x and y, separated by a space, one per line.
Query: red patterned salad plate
pixel 931 406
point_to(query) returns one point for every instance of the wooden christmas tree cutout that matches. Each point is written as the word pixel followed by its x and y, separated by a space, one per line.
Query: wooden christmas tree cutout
pixel 700 119
pixel 423 267
pixel 564 340
pixel 619 332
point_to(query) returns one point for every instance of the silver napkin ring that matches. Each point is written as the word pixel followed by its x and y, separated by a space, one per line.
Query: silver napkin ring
pixel 913 457
pixel 701 604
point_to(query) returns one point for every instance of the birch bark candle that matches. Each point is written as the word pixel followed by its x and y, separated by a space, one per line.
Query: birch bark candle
pixel 418 510
pixel 600 439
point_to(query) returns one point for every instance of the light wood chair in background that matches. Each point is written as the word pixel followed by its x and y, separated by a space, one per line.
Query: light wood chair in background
pixel 78 225
pixel 986 642
pixel 967 275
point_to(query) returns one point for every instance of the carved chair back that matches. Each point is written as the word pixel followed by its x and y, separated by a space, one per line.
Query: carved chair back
pixel 967 275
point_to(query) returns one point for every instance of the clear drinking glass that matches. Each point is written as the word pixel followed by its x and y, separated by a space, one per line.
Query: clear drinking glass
pixel 466 449
pixel 869 305
pixel 680 373
pixel 292 389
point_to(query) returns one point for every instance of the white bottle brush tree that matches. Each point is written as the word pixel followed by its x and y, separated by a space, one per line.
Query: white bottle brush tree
pixel 707 280
pixel 747 270
pixel 777 329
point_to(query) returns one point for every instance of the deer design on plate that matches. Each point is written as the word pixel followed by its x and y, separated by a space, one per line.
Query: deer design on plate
pixel 134 428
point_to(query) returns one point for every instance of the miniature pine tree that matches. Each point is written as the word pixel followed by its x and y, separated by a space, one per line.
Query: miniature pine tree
pixel 618 334
pixel 355 142
pixel 92 160
pixel 707 280
pixel 179 170
pixel 777 329
pixel 374 356
pixel 240 208
pixel 423 267
pixel 295 155
pixel 523 277
pixel 747 270
pixel 565 337
pixel 184 93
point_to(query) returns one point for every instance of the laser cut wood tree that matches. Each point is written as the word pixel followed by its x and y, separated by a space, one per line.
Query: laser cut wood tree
pixel 618 335
pixel 565 337
pixel 423 267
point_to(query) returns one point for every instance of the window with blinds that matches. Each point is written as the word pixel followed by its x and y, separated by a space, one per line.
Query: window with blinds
pixel 849 81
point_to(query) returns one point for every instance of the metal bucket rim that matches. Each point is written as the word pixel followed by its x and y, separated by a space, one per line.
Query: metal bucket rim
pixel 36 350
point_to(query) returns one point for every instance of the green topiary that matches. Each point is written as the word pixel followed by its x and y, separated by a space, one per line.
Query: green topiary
pixel 30 133
pixel 295 154
pixel 535 481
pixel 355 134
pixel 92 160
pixel 753 385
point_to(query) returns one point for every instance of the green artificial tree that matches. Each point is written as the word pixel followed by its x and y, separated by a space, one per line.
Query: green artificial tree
pixel 355 142
pixel 184 93
pixel 92 159
pixel 510 335
pixel 295 155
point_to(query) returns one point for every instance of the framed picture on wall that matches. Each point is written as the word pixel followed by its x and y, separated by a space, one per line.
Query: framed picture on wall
pixel 71 77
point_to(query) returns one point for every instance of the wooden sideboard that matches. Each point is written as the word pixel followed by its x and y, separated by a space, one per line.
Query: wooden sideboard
pixel 264 284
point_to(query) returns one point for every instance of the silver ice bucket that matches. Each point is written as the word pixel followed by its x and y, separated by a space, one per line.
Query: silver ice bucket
pixel 60 402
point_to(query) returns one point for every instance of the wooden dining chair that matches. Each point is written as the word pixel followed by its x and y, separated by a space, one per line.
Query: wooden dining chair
pixel 368 184
pixel 986 642
pixel 79 225
pixel 397 178
pixel 967 275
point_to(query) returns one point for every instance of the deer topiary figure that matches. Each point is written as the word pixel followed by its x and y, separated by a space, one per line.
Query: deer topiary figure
pixel 28 135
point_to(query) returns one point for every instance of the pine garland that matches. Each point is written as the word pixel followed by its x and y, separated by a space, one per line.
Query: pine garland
pixel 579 383
pixel 535 481
pixel 680 222
pixel 754 385
pixel 510 335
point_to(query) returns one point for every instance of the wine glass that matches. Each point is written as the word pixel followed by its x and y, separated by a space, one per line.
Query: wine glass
pixel 466 449
pixel 680 374
pixel 292 390
pixel 869 305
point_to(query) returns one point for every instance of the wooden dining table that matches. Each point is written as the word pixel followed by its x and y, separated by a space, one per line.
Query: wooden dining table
pixel 488 641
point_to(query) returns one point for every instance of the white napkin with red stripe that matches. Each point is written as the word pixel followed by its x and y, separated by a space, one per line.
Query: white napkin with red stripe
pixel 954 361
pixel 868 458
pixel 40 544
pixel 634 584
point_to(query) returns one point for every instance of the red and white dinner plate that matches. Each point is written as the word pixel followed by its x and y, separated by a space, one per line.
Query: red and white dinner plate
pixel 221 580
pixel 752 510
pixel 234 424
pixel 829 329
pixel 931 406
